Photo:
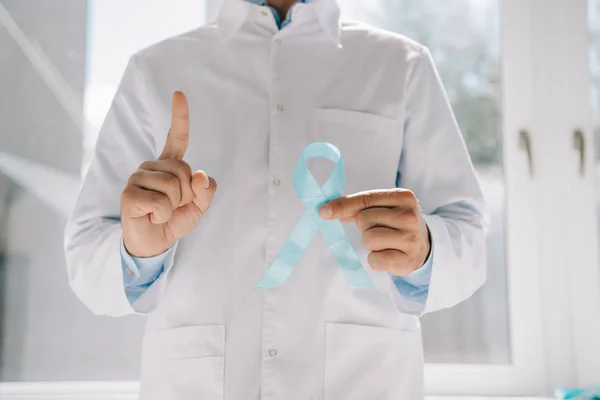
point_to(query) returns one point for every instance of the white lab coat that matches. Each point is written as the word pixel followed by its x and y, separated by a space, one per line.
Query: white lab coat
pixel 257 97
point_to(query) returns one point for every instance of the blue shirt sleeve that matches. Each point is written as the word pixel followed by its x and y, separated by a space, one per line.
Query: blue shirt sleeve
pixel 416 285
pixel 140 273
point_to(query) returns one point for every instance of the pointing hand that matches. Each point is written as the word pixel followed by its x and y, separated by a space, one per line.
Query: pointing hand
pixel 163 200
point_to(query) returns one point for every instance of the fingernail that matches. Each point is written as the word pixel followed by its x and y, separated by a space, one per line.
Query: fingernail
pixel 325 211
pixel 207 183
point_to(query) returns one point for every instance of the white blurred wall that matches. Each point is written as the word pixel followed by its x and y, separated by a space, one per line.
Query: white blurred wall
pixel 45 332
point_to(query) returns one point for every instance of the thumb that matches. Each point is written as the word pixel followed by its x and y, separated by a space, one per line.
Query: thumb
pixel 204 188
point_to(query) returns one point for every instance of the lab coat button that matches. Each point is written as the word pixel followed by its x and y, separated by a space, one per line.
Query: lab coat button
pixel 280 108
pixel 276 182
pixel 272 352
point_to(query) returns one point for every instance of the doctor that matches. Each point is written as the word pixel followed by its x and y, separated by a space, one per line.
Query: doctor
pixel 260 84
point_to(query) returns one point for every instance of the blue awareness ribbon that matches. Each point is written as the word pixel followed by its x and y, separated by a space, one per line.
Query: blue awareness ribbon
pixel 314 196
pixel 578 394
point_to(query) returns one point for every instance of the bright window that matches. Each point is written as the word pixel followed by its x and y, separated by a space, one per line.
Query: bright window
pixel 116 30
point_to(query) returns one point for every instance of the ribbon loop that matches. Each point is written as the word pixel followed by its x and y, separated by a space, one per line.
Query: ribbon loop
pixel 313 196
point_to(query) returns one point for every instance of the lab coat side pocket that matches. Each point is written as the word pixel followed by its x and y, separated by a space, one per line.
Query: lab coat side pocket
pixel 369 362
pixel 184 363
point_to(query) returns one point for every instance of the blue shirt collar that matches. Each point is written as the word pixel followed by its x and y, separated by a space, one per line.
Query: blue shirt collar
pixel 288 18
pixel 233 14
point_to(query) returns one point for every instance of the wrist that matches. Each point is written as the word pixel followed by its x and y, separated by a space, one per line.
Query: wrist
pixel 137 252
pixel 426 251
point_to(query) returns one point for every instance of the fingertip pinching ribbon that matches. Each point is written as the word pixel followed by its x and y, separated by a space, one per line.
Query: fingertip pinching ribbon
pixel 314 196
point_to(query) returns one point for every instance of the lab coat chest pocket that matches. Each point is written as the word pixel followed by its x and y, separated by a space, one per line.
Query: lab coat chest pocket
pixel 370 144
pixel 368 362
pixel 184 363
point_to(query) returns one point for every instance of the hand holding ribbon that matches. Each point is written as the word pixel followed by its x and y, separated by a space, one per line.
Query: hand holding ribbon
pixel 392 225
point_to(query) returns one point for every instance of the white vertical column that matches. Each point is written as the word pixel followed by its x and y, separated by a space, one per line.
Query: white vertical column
pixel 568 267
pixel 521 160
pixel 548 122
pixel 577 188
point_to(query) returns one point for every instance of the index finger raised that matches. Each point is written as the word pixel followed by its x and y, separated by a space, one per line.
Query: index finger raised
pixel 179 132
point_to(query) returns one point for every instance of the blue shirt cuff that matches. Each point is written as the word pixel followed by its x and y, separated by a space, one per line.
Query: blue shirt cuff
pixel 416 284
pixel 140 273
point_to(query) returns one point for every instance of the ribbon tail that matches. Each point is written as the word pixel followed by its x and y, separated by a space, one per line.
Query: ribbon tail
pixel 350 264
pixel 290 254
